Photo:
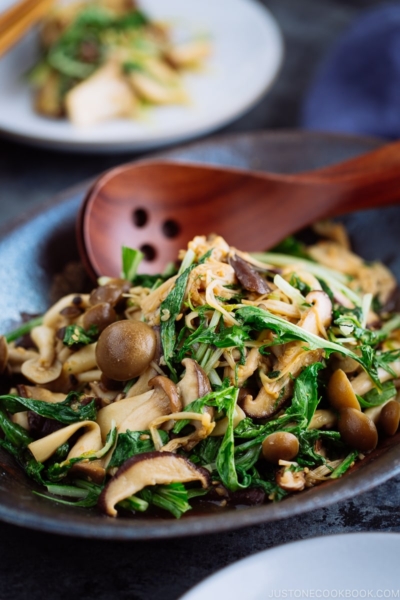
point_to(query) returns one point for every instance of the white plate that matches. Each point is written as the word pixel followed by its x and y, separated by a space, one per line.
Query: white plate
pixel 247 53
pixel 357 565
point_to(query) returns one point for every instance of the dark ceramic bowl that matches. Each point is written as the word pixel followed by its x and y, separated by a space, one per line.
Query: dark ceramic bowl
pixel 36 248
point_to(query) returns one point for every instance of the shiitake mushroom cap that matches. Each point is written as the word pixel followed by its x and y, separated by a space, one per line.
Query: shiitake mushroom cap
pixel 125 349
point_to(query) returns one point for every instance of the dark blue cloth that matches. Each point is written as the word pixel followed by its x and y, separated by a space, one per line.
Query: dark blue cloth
pixel 357 87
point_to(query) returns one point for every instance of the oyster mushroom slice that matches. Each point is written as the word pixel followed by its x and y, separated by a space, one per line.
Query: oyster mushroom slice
pixel 138 412
pixel 165 387
pixel 150 468
pixel 319 316
pixel 164 401
pixel 274 394
pixel 195 383
pixel 102 96
pixel 203 428
pixel 44 448
pixel 120 411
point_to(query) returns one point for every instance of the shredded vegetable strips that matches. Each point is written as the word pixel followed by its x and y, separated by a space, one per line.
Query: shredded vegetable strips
pixel 266 373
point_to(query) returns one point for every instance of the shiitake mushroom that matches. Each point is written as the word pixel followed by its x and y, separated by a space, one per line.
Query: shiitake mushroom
pixel 280 445
pixel 125 349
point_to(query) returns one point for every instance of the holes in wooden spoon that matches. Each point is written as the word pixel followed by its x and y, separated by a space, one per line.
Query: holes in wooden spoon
pixel 140 217
pixel 171 229
pixel 149 252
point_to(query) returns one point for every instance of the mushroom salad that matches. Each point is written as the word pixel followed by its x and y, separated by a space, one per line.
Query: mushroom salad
pixel 103 59
pixel 231 379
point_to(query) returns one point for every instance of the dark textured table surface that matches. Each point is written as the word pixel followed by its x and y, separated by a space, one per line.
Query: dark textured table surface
pixel 36 565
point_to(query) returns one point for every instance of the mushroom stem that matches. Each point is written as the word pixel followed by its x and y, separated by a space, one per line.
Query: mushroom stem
pixel 82 360
pixel 44 338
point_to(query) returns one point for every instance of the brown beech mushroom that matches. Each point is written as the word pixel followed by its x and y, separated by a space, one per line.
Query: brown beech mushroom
pixel 44 339
pixel 101 315
pixel 111 293
pixel 53 317
pixel 389 418
pixel 357 430
pixel 45 367
pixel 290 481
pixel 363 383
pixel 3 354
pixel 340 392
pixel 81 361
pixel 125 349
pixel 195 383
pixel 280 445
pixel 17 356
pixel 149 468
pixel 323 418
pixel 247 275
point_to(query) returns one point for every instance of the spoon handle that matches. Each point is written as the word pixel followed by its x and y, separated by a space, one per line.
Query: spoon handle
pixel 382 159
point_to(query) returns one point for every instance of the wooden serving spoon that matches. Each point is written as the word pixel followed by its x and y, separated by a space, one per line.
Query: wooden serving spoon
pixel 158 206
